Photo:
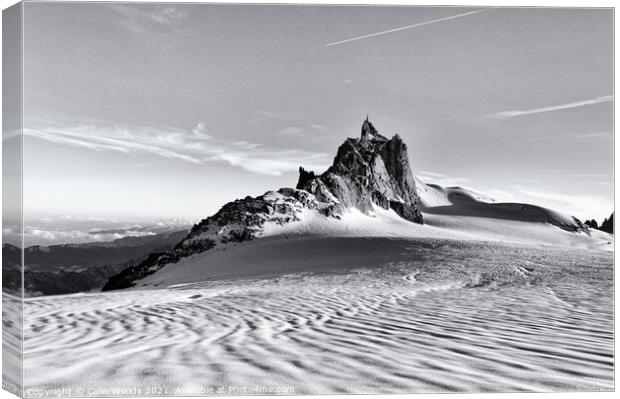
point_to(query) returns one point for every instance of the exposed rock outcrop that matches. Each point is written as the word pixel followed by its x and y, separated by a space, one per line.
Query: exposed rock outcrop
pixel 591 224
pixel 608 225
pixel 237 221
pixel 367 171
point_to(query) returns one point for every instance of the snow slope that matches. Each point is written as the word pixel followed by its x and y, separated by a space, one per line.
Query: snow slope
pixel 483 297
pixel 467 219
pixel 386 223
pixel 433 195
pixel 374 315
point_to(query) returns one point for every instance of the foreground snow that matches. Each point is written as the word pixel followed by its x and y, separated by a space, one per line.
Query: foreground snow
pixel 482 297
pixel 330 315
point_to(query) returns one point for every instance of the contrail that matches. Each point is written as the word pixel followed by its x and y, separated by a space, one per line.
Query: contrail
pixel 512 114
pixel 433 21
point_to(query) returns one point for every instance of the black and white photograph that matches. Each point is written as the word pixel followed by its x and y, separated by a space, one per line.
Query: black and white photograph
pixel 220 199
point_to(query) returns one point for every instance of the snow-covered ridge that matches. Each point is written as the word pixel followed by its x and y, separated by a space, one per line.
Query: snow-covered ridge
pixel 370 191
pixel 238 221
pixel 457 201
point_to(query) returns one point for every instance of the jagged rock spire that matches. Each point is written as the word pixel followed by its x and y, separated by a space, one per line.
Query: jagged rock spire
pixel 369 133
pixel 368 130
pixel 366 171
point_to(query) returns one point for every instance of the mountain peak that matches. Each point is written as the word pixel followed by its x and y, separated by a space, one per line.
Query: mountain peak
pixel 367 172
pixel 369 132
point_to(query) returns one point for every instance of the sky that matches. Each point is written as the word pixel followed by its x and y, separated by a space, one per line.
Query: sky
pixel 171 110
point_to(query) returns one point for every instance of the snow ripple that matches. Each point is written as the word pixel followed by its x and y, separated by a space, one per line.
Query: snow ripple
pixel 461 319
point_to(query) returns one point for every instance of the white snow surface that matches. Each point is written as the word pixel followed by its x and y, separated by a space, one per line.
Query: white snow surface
pixel 474 300
pixel 433 195
pixel 339 315
pixel 386 223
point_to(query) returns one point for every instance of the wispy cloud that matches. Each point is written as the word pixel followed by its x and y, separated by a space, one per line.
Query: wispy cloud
pixel 147 17
pixel 590 174
pixel 15 133
pixel 291 131
pixel 385 32
pixel 263 116
pixel 551 171
pixel 551 108
pixel 527 180
pixel 431 174
pixel 195 146
pixel 547 138
pixel 595 135
pixel 598 136
pixel 281 116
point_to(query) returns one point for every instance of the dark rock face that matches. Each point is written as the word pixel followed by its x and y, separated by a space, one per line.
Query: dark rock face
pixel 608 225
pixel 591 224
pixel 366 171
pixel 237 221
pixel 577 226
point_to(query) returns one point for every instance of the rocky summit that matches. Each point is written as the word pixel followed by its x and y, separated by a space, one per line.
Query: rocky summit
pixel 367 171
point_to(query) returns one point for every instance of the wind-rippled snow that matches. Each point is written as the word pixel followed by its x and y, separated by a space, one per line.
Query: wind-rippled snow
pixel 442 316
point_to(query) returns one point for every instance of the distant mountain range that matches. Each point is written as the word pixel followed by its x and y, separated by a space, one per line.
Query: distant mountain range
pixel 68 268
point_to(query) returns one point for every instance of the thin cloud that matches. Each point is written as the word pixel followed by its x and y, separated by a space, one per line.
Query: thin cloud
pixel 201 131
pixel 143 18
pixel 281 116
pixel 261 117
pixel 12 134
pixel 194 146
pixel 595 135
pixel 385 32
pixel 549 138
pixel 590 175
pixel 291 131
pixel 559 107
pixel 431 174
pixel 551 171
